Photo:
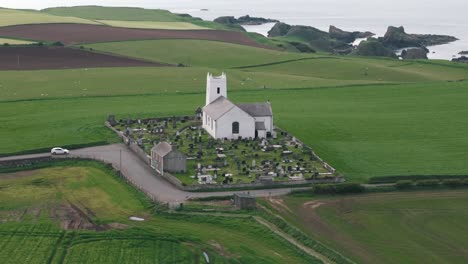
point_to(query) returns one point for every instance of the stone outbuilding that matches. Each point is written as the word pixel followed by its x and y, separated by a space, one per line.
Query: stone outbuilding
pixel 167 158
pixel 244 201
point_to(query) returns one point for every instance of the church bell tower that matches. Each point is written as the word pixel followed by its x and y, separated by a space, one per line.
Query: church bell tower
pixel 216 86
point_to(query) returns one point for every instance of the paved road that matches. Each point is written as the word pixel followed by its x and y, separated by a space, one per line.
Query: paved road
pixel 143 176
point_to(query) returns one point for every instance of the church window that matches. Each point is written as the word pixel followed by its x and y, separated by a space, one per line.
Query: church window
pixel 235 128
pixel 219 90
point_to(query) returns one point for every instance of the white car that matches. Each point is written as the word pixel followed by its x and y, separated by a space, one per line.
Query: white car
pixel 59 151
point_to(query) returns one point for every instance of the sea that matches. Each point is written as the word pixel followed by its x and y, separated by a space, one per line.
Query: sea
pixel 448 17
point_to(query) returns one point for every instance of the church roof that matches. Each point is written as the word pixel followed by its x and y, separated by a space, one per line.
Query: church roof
pixel 162 149
pixel 218 107
pixel 257 109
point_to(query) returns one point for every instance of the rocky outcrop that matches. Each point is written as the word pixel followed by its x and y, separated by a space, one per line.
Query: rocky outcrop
pixel 244 20
pixel 397 38
pixel 316 38
pixel 414 54
pixel 347 36
pixel 373 47
pixel 463 52
pixel 279 29
pixel 462 59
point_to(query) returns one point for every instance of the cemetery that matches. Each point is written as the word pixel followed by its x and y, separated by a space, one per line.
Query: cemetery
pixel 280 157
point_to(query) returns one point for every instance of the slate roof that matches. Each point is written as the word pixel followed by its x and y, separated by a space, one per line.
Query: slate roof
pixel 222 105
pixel 260 126
pixel 257 109
pixel 218 107
pixel 162 149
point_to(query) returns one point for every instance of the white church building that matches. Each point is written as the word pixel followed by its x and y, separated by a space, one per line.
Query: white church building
pixel 225 119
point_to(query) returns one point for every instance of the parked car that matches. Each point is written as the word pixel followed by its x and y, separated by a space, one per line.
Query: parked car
pixel 59 151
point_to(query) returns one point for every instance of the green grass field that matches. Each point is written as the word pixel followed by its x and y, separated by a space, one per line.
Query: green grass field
pixel 14 41
pixel 130 14
pixel 407 227
pixel 35 207
pixel 198 53
pixel 363 131
pixel 9 17
pixel 114 13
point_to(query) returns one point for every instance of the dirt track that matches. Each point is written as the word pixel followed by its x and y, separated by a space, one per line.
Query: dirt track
pixel 34 58
pixel 70 34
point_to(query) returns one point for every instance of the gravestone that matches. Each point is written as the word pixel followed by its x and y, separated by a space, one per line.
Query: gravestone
pixel 111 120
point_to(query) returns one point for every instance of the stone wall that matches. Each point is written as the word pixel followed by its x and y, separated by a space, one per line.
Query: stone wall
pixel 18 163
pixel 226 187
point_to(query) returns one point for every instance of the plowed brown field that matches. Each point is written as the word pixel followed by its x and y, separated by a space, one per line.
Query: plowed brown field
pixel 35 58
pixel 70 34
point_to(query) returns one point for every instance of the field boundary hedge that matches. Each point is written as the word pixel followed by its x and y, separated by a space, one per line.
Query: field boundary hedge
pixel 394 179
pixel 46 150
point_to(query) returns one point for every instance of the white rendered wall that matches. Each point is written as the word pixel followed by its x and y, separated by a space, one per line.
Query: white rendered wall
pixel 246 124
pixel 212 85
pixel 268 122
pixel 207 125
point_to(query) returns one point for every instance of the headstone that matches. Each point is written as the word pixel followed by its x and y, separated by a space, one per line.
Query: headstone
pixel 128 131
pixel 254 164
pixel 111 120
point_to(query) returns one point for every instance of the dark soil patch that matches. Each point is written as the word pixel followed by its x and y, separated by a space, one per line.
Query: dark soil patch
pixel 70 34
pixel 17 175
pixel 71 217
pixel 36 58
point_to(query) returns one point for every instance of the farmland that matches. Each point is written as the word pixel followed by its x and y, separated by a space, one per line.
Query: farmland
pixel 363 131
pixel 14 41
pixel 39 58
pixel 10 17
pixel 151 25
pixel 408 227
pixel 70 34
pixel 50 215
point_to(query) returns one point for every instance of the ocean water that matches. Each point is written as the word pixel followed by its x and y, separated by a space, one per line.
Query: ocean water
pixel 417 16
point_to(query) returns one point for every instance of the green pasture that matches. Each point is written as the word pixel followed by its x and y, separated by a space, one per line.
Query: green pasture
pixel 30 209
pixel 408 227
pixel 363 131
pixel 114 13
pixel 125 14
pixel 200 53
pixel 10 17
pixel 46 84
pixel 220 55
pixel 14 41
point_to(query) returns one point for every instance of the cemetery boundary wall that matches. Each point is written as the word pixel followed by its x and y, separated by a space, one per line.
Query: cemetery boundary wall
pixel 133 146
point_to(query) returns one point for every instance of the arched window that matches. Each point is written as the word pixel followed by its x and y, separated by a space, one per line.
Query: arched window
pixel 235 127
pixel 219 90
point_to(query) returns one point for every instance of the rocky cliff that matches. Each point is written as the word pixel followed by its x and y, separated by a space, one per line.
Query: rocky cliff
pixel 396 38
pixel 414 54
pixel 347 36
